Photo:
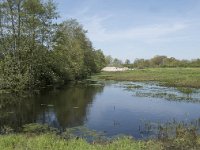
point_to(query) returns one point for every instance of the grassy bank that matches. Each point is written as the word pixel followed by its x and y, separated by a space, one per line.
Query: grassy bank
pixel 52 142
pixel 177 77
pixel 39 137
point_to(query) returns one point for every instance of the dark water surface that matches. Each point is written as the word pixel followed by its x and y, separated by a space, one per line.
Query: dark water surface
pixel 110 107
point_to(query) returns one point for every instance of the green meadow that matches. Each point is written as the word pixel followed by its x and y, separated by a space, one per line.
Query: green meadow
pixel 173 77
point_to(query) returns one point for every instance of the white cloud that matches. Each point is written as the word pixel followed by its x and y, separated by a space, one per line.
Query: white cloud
pixel 98 33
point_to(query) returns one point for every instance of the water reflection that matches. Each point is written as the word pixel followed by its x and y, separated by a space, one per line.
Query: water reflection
pixel 104 107
pixel 59 108
pixel 16 111
pixel 67 107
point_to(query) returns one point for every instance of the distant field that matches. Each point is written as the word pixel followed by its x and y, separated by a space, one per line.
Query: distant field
pixel 178 77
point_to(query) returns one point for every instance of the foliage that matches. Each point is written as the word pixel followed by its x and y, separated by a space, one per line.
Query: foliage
pixel 6 130
pixel 113 62
pixel 100 61
pixel 164 61
pixel 35 52
pixel 184 140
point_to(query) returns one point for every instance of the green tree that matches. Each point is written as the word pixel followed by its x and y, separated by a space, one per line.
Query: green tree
pixel 35 52
pixel 157 61
pixel 127 62
pixel 75 57
pixel 25 28
pixel 100 60
pixel 117 63
pixel 109 60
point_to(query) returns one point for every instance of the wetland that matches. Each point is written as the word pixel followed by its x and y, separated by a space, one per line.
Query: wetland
pixel 112 108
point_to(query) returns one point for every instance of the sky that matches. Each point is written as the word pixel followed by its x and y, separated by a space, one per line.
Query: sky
pixel 130 29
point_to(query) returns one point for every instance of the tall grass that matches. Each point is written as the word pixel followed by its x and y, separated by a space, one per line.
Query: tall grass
pixel 185 138
pixel 54 142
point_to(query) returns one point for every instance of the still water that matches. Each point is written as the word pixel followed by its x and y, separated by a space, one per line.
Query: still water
pixel 113 108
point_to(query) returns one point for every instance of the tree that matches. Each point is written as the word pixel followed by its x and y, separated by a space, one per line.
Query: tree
pixel 69 55
pixel 35 52
pixel 100 60
pixel 127 62
pixel 117 63
pixel 109 60
pixel 26 28
pixel 75 57
pixel 157 61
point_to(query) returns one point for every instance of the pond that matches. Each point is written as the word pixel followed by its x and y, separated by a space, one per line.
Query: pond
pixel 112 108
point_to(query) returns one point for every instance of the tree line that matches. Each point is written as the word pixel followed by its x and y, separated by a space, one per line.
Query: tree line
pixel 164 61
pixel 35 51
pixel 156 61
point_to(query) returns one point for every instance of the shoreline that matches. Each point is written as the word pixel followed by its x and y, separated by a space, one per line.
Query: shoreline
pixel 171 77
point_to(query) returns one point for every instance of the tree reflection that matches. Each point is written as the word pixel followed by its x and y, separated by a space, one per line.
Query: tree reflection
pixel 61 108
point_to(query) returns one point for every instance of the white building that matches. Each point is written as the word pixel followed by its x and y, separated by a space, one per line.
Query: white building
pixel 108 69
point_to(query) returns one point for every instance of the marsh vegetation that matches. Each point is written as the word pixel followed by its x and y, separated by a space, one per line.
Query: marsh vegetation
pixel 174 77
pixel 47 103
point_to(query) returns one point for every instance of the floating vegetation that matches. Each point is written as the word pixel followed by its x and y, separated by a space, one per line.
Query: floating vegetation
pixel 129 86
pixel 134 86
pixel 84 133
pixel 168 129
pixel 185 90
pixel 154 90
pixel 38 128
pixel 167 96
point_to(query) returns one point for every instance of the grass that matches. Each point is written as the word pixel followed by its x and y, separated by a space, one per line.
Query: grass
pixel 185 90
pixel 32 138
pixel 174 77
pixel 52 142
pixel 184 141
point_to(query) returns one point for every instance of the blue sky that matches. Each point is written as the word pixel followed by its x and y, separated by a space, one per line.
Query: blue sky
pixel 138 28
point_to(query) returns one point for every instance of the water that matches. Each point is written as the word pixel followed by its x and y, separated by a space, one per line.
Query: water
pixel 112 108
